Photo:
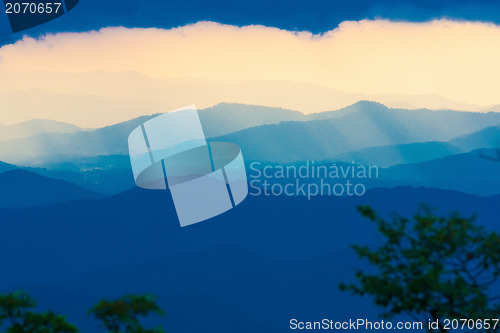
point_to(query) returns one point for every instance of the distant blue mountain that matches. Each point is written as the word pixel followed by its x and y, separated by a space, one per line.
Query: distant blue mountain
pixel 226 117
pixel 386 156
pixel 112 140
pixel 360 106
pixel 486 138
pixel 363 125
pixel 6 167
pixel 20 188
pixel 106 175
pixel 257 266
pixel 89 163
pixel 249 270
pixel 111 174
pixel 270 134
pixel 105 181
pixel 43 148
pixel 476 172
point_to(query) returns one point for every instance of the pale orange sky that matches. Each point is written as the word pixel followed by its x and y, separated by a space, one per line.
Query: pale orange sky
pixel 455 60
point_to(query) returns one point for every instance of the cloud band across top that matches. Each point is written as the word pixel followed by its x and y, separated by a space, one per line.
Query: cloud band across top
pixel 171 151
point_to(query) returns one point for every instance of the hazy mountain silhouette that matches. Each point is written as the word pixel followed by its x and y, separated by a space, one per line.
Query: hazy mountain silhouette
pixel 23 188
pixel 107 181
pixel 111 174
pixel 470 172
pixel 363 125
pixel 100 98
pixel 89 163
pixel 279 135
pixel 386 156
pixel 107 175
pixel 486 138
pixel 356 107
pixel 7 167
pixel 225 118
pixel 112 140
pixel 44 148
pixel 494 108
pixel 33 127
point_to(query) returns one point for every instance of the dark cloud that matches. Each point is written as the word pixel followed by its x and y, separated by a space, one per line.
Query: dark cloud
pixel 312 15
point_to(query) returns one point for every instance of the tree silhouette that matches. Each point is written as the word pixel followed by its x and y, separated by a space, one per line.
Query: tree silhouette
pixel 16 312
pixel 431 267
pixel 122 315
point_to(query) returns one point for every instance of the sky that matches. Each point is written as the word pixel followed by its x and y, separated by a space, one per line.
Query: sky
pixel 121 59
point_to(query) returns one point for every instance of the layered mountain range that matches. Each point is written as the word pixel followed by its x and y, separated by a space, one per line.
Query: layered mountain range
pixel 444 149
pixel 74 226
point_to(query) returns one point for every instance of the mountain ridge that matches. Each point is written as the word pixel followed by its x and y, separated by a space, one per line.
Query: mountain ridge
pixel 316 137
pixel 21 188
pixel 35 126
pixel 364 125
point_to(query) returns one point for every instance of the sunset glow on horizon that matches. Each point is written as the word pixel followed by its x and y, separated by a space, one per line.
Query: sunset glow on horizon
pixel 457 61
